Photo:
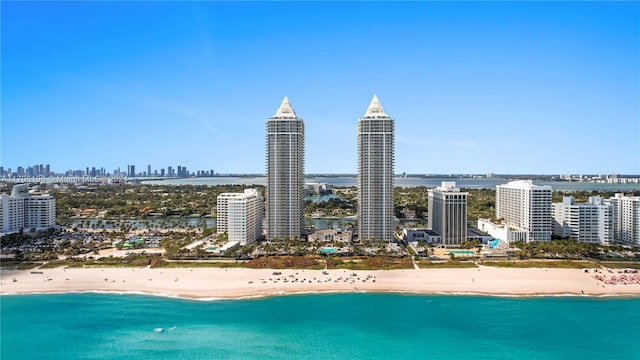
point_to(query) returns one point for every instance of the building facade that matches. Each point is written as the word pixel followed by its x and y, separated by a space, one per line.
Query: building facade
pixel 285 174
pixel 501 232
pixel 240 215
pixel 591 222
pixel 526 207
pixel 21 210
pixel 626 223
pixel 421 235
pixel 448 213
pixel 375 174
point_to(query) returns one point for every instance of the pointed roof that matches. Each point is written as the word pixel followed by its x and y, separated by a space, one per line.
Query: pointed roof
pixel 375 108
pixel 285 111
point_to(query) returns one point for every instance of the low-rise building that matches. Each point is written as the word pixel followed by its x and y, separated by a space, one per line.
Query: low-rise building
pixel 502 232
pixel 478 235
pixel 421 235
pixel 317 189
pixel 331 235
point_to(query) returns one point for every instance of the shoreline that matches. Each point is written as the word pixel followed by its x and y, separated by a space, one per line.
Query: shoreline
pixel 212 284
pixel 330 292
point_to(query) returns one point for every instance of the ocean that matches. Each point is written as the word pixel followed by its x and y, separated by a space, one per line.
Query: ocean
pixel 319 326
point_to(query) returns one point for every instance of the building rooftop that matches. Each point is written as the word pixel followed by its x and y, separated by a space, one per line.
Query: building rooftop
pixel 285 111
pixel 525 185
pixel 375 109
pixel 476 232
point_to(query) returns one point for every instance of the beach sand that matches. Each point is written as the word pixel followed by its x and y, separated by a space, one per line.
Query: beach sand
pixel 214 283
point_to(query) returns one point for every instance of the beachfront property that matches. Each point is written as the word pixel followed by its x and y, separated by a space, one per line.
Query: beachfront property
pixel 22 210
pixel 626 223
pixel 240 215
pixel 331 235
pixel 421 235
pixel 285 174
pixel 375 174
pixel 480 236
pixel 505 233
pixel 448 213
pixel 590 222
pixel 527 207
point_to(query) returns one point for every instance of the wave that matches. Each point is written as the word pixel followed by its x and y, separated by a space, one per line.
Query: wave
pixel 321 292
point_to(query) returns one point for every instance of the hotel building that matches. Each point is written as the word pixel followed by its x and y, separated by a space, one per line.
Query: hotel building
pixel 240 215
pixel 526 207
pixel 375 174
pixel 21 210
pixel 591 222
pixel 448 213
pixel 285 174
pixel 626 215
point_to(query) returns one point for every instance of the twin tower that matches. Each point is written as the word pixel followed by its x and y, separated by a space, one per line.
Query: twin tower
pixel 285 174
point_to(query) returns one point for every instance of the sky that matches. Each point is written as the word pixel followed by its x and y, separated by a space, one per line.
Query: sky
pixel 474 87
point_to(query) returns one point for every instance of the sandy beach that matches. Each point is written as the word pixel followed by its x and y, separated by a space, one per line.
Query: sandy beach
pixel 214 283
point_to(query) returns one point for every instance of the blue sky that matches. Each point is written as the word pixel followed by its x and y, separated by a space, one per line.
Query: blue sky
pixel 475 87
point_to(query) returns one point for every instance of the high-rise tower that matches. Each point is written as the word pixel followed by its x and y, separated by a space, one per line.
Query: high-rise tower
pixel 448 213
pixel 285 174
pixel 375 174
pixel 526 207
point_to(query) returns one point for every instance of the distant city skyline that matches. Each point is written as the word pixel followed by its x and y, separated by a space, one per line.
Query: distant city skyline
pixel 474 87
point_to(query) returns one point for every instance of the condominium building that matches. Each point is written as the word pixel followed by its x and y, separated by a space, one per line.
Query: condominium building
pixel 448 213
pixel 240 215
pixel 626 215
pixel 526 207
pixel 501 232
pixel 285 174
pixel 591 222
pixel 21 210
pixel 375 174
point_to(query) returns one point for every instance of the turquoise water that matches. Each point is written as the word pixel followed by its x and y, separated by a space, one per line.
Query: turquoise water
pixel 462 252
pixel 337 326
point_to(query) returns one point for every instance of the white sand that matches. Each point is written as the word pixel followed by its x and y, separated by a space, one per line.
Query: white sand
pixel 235 283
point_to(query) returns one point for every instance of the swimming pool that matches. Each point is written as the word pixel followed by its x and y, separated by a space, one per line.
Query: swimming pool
pixel 462 252
pixel 328 250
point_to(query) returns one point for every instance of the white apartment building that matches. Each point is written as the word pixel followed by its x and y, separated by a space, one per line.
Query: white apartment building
pixel 375 174
pixel 240 215
pixel 285 174
pixel 591 222
pixel 21 210
pixel 527 207
pixel 448 213
pixel 502 232
pixel 626 215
